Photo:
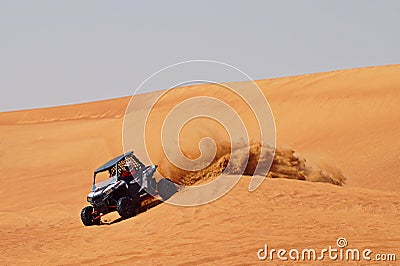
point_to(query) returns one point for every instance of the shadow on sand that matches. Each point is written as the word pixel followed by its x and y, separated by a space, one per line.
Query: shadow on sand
pixel 144 208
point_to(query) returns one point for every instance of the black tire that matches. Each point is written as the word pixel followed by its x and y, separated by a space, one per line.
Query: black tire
pixel 126 208
pixel 166 188
pixel 87 217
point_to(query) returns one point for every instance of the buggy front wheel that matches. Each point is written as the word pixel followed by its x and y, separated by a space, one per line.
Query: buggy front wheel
pixel 87 216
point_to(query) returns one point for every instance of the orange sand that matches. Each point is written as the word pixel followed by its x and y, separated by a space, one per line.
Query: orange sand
pixel 345 119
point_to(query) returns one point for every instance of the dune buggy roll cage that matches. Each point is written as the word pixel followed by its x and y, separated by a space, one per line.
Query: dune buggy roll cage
pixel 117 165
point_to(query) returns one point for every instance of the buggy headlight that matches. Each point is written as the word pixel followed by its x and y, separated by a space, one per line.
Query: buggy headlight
pixel 89 197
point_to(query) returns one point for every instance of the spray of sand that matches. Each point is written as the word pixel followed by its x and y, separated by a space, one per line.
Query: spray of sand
pixel 285 165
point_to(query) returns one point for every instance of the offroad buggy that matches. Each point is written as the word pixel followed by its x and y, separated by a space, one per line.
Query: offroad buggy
pixel 128 184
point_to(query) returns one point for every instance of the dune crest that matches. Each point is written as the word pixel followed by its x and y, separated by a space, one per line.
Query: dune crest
pixel 350 116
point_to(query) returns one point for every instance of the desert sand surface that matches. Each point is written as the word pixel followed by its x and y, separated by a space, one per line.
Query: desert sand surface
pixel 347 119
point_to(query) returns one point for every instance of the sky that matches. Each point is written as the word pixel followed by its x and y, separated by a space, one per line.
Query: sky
pixel 62 52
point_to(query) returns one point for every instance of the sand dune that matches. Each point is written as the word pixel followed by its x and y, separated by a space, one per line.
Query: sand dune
pixel 340 124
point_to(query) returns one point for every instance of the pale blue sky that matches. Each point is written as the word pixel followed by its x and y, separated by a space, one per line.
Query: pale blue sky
pixel 62 52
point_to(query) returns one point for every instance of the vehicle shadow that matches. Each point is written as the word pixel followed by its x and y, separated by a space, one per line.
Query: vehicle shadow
pixel 151 204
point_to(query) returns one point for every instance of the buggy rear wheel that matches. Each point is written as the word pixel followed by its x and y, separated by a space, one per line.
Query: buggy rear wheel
pixel 87 216
pixel 126 208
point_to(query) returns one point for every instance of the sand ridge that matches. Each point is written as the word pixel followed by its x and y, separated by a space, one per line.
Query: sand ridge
pixel 347 118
